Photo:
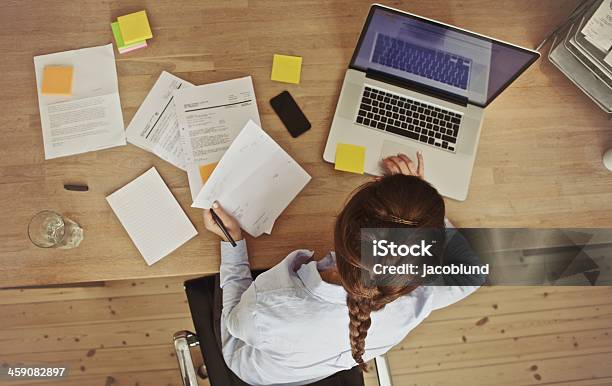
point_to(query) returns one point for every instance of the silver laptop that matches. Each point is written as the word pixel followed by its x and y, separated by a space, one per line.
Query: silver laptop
pixel 417 84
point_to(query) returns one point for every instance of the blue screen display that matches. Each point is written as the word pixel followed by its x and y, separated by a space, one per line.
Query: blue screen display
pixel 439 56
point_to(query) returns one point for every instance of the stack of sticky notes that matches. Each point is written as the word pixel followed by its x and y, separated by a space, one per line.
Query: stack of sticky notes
pixel 131 31
pixel 57 80
pixel 350 158
pixel 286 68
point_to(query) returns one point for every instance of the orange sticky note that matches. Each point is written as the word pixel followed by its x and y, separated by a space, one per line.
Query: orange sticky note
pixel 57 80
pixel 206 171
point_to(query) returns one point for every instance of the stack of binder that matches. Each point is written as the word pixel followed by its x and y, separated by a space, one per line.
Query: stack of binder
pixel 581 51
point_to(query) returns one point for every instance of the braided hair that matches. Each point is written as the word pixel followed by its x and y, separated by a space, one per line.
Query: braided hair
pixel 396 201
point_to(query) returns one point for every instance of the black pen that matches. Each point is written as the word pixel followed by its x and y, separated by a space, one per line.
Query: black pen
pixel 223 228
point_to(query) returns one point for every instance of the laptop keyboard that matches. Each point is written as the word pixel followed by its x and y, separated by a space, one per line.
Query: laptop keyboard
pixel 399 115
pixel 436 65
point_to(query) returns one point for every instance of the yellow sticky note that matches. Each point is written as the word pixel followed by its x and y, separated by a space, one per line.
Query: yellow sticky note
pixel 286 68
pixel 134 27
pixel 206 171
pixel 57 80
pixel 350 158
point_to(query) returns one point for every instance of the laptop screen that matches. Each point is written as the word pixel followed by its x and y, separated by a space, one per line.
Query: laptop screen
pixel 438 56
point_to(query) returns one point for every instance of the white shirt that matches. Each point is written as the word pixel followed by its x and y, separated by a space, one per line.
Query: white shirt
pixel 289 327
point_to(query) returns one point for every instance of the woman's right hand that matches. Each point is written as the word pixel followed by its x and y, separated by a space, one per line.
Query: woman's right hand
pixel 402 164
pixel 232 226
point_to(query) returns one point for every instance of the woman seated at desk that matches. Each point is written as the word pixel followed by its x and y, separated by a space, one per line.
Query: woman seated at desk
pixel 308 317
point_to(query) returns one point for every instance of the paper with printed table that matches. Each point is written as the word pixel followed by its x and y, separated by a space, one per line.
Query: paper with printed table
pixel 254 181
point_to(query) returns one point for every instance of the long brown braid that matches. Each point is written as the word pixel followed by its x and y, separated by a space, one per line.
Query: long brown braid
pixel 391 202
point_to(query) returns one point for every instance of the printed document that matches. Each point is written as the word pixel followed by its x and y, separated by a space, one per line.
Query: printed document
pixel 154 127
pixel 255 181
pixel 89 119
pixel 210 117
pixel 152 217
pixel 598 30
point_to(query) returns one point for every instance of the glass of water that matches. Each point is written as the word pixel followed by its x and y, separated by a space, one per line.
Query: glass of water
pixel 48 229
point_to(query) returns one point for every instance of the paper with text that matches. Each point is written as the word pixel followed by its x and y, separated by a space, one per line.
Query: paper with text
pixel 155 127
pixel 210 117
pixel 255 181
pixel 598 30
pixel 89 119
pixel 152 217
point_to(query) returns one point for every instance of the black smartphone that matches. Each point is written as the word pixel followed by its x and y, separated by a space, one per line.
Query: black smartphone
pixel 289 112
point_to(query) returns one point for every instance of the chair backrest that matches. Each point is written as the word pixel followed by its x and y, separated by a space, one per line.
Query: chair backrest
pixel 204 298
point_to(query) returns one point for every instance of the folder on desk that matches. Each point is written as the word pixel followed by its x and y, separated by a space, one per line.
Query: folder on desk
pixel 584 64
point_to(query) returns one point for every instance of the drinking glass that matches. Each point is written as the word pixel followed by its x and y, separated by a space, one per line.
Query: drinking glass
pixel 48 229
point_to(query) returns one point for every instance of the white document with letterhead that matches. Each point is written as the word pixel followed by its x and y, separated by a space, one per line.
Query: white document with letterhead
pixel 90 118
pixel 210 116
pixel 155 127
pixel 254 181
pixel 152 217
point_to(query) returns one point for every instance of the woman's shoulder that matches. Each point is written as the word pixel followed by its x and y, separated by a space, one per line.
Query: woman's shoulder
pixel 281 277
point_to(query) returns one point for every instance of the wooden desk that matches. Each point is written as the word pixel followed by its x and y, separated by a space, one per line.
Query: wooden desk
pixel 539 160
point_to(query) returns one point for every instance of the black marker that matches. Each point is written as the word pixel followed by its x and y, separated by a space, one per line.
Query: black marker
pixel 76 188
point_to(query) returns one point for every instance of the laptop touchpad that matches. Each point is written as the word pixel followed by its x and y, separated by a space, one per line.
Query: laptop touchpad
pixel 390 148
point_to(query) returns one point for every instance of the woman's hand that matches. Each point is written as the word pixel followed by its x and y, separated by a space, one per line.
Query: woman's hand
pixel 402 164
pixel 232 226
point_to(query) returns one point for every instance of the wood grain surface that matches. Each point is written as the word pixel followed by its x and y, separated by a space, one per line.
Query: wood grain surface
pixel 538 163
pixel 119 334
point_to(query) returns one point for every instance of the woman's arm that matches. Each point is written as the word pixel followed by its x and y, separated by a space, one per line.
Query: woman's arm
pixel 449 289
pixel 235 271
pixel 459 252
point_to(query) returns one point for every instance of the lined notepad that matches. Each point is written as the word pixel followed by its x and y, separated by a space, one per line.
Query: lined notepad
pixel 152 217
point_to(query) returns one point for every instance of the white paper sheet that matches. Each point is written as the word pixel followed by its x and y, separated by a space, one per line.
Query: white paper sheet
pixel 598 30
pixel 255 181
pixel 196 183
pixel 152 217
pixel 155 127
pixel 90 119
pixel 210 117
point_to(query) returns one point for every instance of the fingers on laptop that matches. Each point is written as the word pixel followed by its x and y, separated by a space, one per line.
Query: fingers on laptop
pixel 421 165
pixel 402 164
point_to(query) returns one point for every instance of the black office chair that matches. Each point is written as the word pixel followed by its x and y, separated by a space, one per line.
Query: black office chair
pixel 204 297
